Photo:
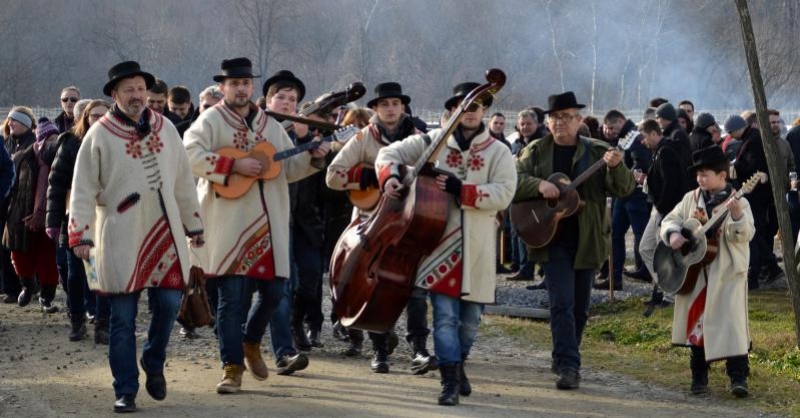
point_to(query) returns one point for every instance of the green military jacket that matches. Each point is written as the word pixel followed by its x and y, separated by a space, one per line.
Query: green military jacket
pixel 536 164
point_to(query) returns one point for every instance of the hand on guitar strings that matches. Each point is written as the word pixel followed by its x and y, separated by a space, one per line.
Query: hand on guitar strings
pixel 612 157
pixel 247 166
pixel 548 190
pixel 676 240
pixel 450 184
pixel 393 188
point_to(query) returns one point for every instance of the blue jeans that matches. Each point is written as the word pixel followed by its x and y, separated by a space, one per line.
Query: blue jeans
pixel 632 211
pixel 520 255
pixel 122 336
pixel 455 323
pixel 235 324
pixel 570 296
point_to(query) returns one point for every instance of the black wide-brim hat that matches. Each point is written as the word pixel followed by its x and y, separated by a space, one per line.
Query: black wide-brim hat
pixel 285 75
pixel 235 68
pixel 707 157
pixel 562 101
pixel 462 90
pixel 389 90
pixel 123 70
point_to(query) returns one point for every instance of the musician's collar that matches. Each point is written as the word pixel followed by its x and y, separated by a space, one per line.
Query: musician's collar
pixel 252 112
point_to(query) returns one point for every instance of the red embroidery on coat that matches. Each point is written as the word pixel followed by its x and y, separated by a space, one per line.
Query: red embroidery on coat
pixel 154 144
pixel 224 165
pixel 694 320
pixel 354 175
pixel 475 162
pixel 134 148
pixel 240 140
pixel 447 277
pixel 454 159
pixel 384 173
pixel 75 234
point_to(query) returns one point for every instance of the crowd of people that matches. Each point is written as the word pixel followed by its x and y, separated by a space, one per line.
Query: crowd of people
pixel 116 197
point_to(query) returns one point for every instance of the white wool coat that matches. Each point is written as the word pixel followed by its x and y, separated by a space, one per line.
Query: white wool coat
pixel 133 199
pixel 240 233
pixel 723 326
pixel 489 179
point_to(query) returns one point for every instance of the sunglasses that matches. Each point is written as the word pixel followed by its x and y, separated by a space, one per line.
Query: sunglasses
pixel 69 99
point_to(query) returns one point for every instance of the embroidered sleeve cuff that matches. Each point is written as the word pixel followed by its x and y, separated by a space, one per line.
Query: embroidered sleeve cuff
pixel 224 165
pixel 469 195
pixel 76 242
pixel 354 174
pixel 386 172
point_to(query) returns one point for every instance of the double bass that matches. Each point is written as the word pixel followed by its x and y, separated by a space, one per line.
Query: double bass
pixel 374 264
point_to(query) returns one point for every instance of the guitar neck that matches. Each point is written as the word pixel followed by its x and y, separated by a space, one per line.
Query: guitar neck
pixel 586 174
pixel 301 148
pixel 720 214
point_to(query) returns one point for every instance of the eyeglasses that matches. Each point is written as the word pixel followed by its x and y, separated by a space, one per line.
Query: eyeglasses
pixel 562 117
pixel 69 99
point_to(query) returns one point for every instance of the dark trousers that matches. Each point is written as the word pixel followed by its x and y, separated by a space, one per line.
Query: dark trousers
pixel 9 281
pixel 417 315
pixel 308 295
pixel 570 296
pixel 794 211
pixel 759 249
pixel 630 212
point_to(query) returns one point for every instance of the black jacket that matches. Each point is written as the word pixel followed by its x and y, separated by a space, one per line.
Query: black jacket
pixel 700 138
pixel 307 213
pixel 794 142
pixel 665 189
pixel 63 123
pixel 749 159
pixel 60 181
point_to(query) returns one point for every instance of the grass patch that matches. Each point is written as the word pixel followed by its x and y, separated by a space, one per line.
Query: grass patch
pixel 620 339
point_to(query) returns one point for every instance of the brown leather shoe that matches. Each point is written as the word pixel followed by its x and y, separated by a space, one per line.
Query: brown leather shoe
pixel 231 379
pixel 254 362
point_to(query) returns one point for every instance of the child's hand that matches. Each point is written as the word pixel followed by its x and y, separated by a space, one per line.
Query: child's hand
pixel 735 208
pixel 676 240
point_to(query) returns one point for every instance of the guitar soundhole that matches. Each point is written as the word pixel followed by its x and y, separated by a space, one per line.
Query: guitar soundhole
pixel 552 203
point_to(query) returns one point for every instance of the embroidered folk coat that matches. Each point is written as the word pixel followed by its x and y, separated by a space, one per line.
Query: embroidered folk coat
pixel 249 235
pixel 344 172
pixel 714 314
pixel 134 201
pixel 467 248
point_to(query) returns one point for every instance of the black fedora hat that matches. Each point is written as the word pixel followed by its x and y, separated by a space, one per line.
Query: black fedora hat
pixel 235 68
pixel 707 157
pixel 125 70
pixel 462 90
pixel 285 75
pixel 562 101
pixel 387 91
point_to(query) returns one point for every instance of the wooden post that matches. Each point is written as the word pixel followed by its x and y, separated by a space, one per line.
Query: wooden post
pixel 777 171
pixel 609 204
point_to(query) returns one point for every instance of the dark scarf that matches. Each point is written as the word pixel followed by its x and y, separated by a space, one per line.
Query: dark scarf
pixel 712 201
pixel 405 127
pixel 142 127
pixel 464 142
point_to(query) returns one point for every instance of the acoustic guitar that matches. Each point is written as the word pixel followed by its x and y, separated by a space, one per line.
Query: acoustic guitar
pixel 536 221
pixel 265 152
pixel 677 270
pixel 365 199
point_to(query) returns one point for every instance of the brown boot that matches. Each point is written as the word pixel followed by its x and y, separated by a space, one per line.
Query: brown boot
pixel 255 364
pixel 231 379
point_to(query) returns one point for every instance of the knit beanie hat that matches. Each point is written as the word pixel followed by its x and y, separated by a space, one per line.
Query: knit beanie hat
pixel 667 111
pixel 734 123
pixel 704 120
pixel 44 129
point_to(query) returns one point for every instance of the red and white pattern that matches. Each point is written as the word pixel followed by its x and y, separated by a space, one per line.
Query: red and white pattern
pixel 444 274
pixel 476 161
pixel 157 263
pixel 454 159
pixel 255 258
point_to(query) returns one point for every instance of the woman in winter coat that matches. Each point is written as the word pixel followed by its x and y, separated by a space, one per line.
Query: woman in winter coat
pixel 60 182
pixel 33 253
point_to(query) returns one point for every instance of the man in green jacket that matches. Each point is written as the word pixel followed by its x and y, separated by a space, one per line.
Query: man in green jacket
pixel 582 240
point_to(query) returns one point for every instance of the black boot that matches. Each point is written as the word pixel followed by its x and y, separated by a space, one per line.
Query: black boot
pixel 422 361
pixel 29 289
pixel 78 327
pixel 101 331
pixel 465 388
pixel 299 337
pixel 356 338
pixel 738 369
pixel 450 384
pixel 380 357
pixel 697 362
pixel 46 299
pixel 315 339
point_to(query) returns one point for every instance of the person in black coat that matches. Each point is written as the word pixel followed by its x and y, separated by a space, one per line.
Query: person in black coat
pixel 705 132
pixel 7 174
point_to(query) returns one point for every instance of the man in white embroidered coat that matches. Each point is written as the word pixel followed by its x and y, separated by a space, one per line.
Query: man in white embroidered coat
pixel 353 169
pixel 459 274
pixel 248 236
pixel 712 317
pixel 132 199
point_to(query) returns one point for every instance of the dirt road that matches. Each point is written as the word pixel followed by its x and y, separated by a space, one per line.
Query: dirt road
pixel 42 374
